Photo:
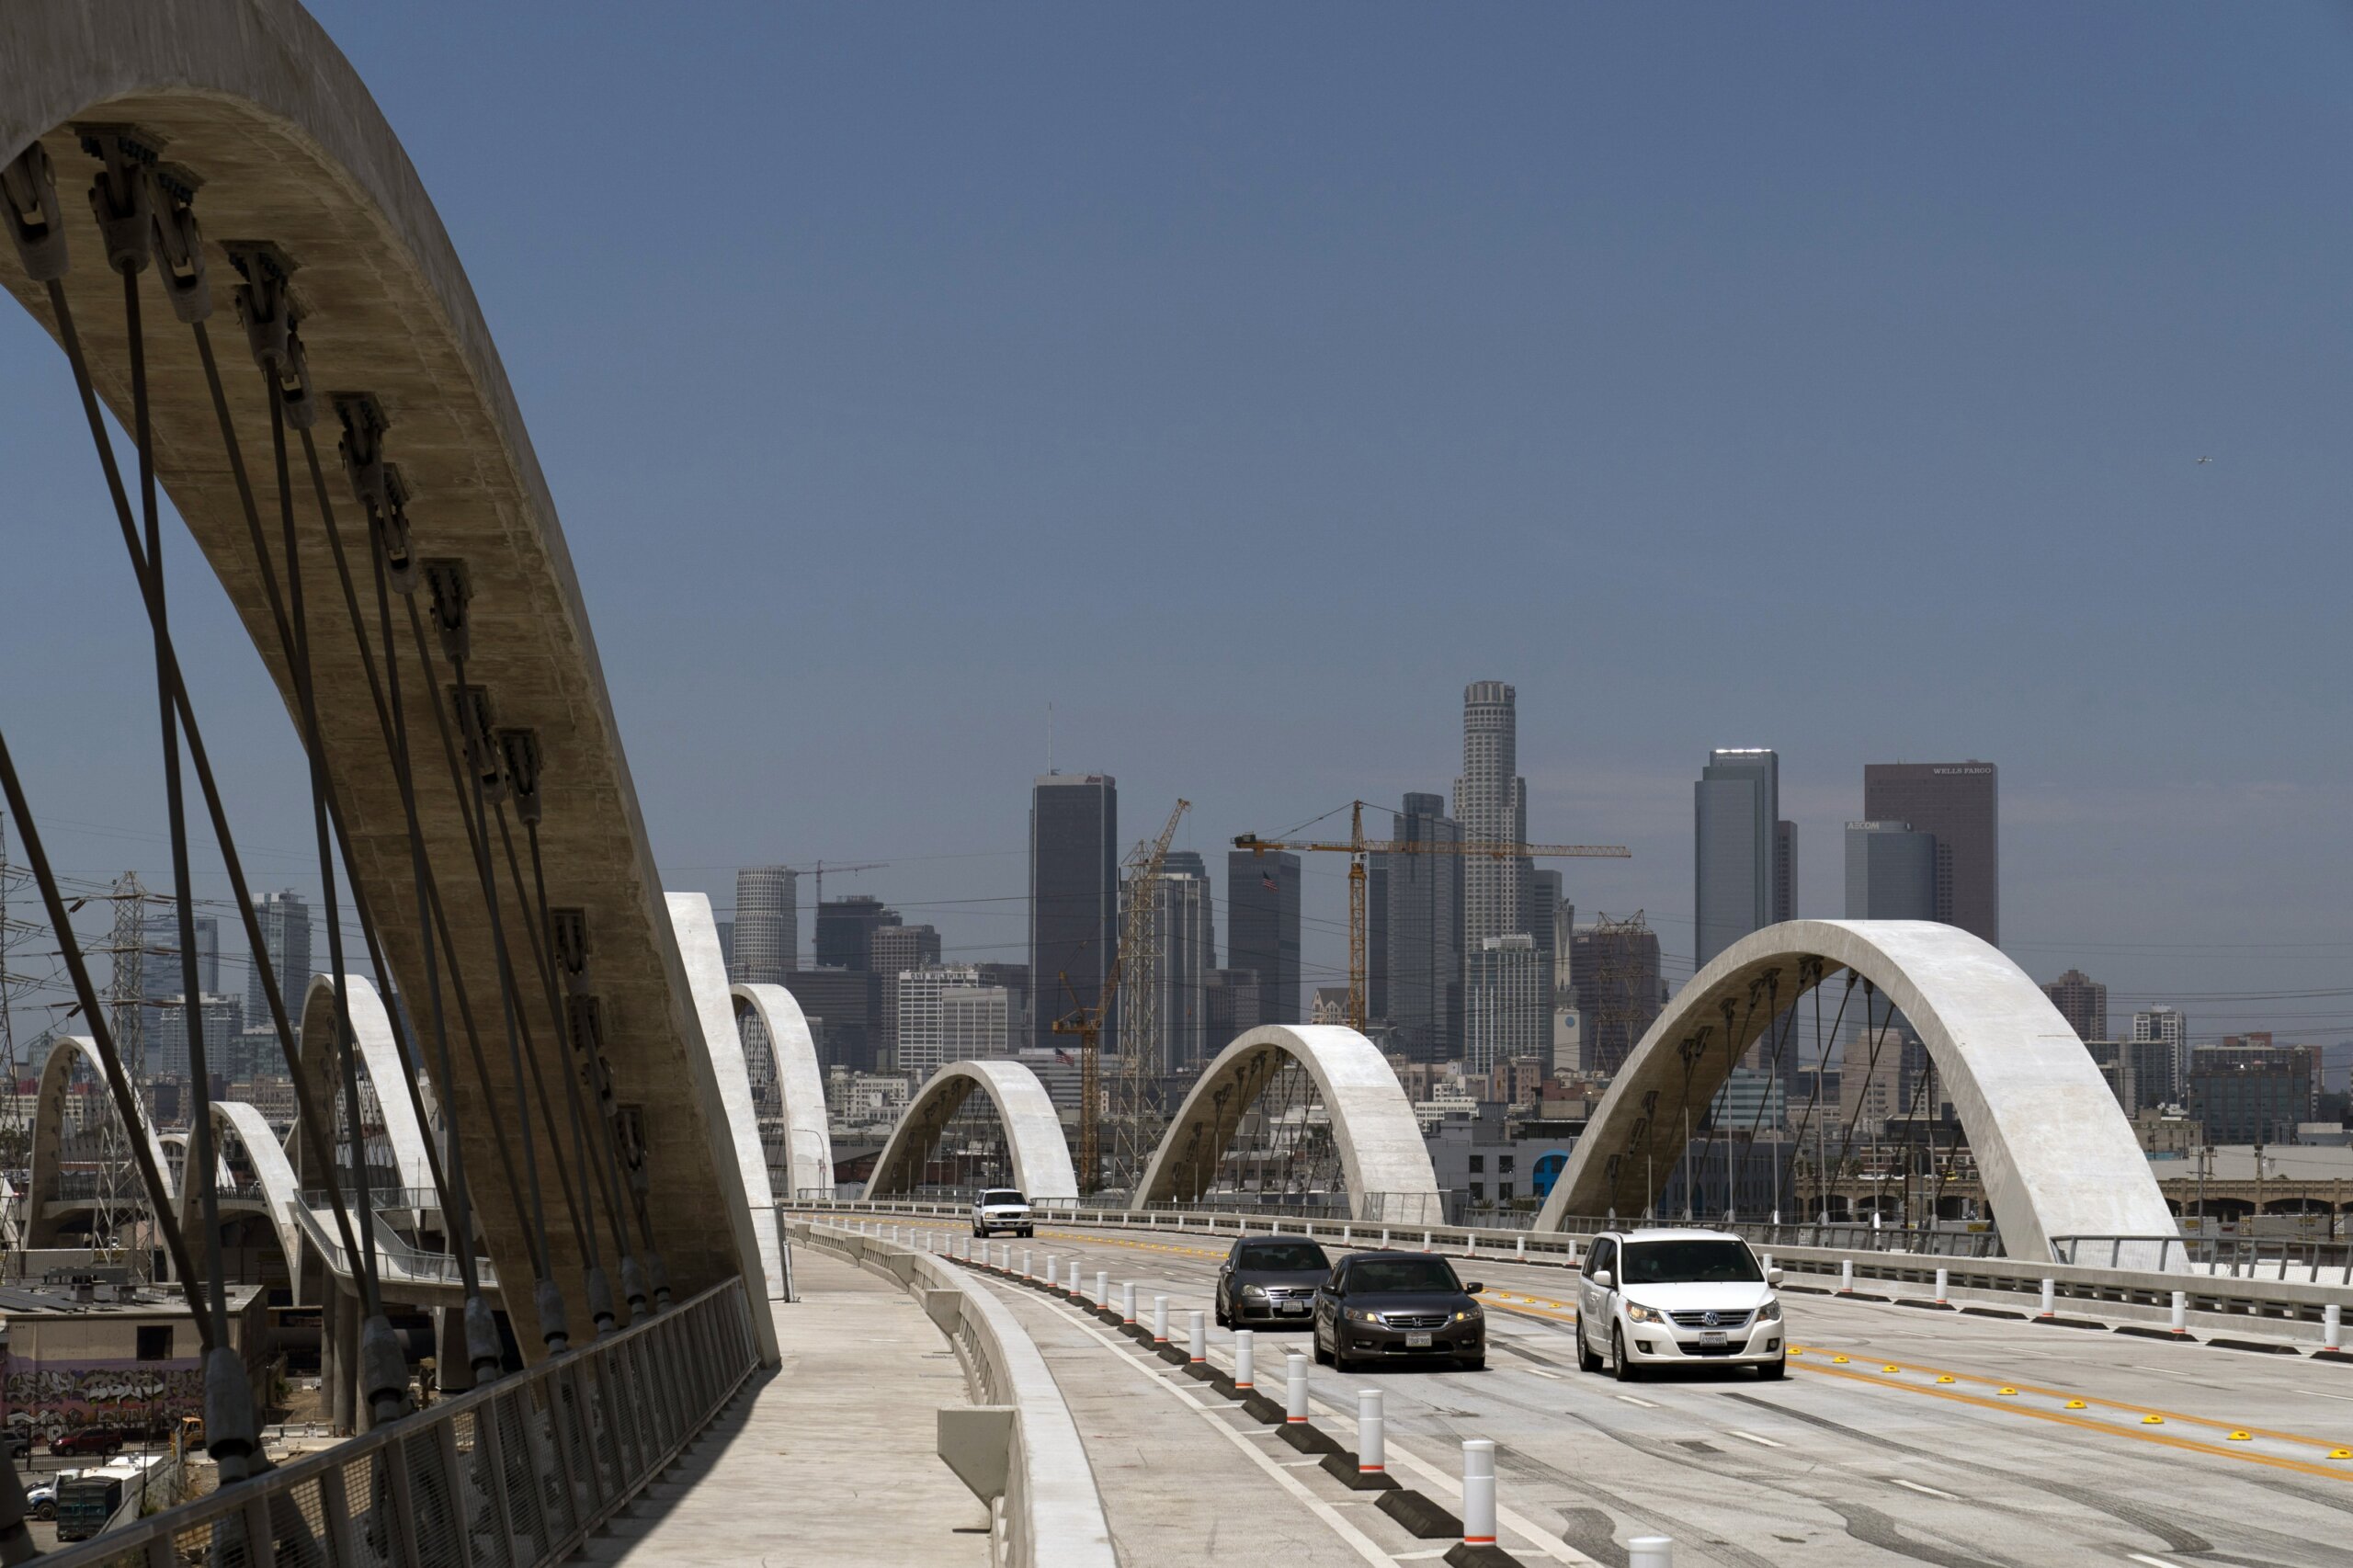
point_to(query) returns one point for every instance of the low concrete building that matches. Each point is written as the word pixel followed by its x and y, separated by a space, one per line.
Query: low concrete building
pixel 106 1355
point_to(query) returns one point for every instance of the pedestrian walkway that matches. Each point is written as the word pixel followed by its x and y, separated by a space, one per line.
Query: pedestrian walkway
pixel 832 1459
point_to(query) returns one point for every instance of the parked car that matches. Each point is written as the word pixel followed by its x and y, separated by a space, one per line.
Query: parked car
pixel 19 1445
pixel 1398 1307
pixel 98 1440
pixel 1002 1209
pixel 1270 1279
pixel 1670 1298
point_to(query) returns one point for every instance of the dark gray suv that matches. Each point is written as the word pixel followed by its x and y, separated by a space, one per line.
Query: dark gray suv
pixel 1270 1279
pixel 1398 1306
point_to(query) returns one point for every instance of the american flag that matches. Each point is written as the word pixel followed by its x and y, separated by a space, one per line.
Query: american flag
pixel 1266 880
pixel 1063 1057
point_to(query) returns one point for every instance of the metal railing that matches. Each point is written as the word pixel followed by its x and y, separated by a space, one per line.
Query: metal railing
pixel 402 1198
pixel 514 1475
pixel 2233 1257
pixel 401 1263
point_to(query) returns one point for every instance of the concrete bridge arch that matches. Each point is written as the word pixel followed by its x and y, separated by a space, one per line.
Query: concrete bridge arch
pixel 800 1086
pixel 1033 1131
pixel 45 1187
pixel 2055 1153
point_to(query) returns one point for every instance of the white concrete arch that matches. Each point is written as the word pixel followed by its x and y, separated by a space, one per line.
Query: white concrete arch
pixel 45 1187
pixel 379 1067
pixel 696 930
pixel 2056 1156
pixel 235 1121
pixel 1033 1131
pixel 1382 1157
pixel 800 1085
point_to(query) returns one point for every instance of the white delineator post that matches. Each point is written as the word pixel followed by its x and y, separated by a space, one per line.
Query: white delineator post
pixel 1295 1390
pixel 2332 1328
pixel 1078 1287
pixel 1102 1289
pixel 1245 1358
pixel 2181 1313
pixel 1053 1270
pixel 1372 1434
pixel 1128 1303
pixel 1940 1289
pixel 1197 1339
pixel 1650 1551
pixel 1846 1276
pixel 1160 1320
pixel 1478 1492
pixel 1027 1273
pixel 2050 1297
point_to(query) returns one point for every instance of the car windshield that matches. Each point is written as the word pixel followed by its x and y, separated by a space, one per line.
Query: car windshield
pixel 1300 1256
pixel 1696 1262
pixel 1002 1195
pixel 1388 1276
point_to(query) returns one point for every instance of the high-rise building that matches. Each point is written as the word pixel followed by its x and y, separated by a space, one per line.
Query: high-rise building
pixel 767 937
pixel 1891 872
pixel 1735 815
pixel 892 950
pixel 947 1015
pixel 1491 802
pixel 1785 870
pixel 1507 1007
pixel 1418 963
pixel 1543 920
pixel 1959 803
pixel 2253 1093
pixel 845 928
pixel 1232 1004
pixel 2083 1002
pixel 1614 967
pixel 976 1023
pixel 845 1009
pixel 1015 979
pixel 160 970
pixel 285 919
pixel 225 1023
pixel 1262 928
pixel 2167 1025
pixel 1185 931
pixel 1074 898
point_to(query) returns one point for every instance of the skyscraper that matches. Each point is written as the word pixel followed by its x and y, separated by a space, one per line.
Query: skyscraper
pixel 160 973
pixel 1891 872
pixel 1507 1010
pixel 2168 1025
pixel 767 945
pixel 1614 967
pixel 947 1015
pixel 1958 802
pixel 285 919
pixel 1785 872
pixel 1184 927
pixel 1736 813
pixel 1074 897
pixel 1262 928
pixel 1420 962
pixel 1491 802
pixel 2083 1002
pixel 845 930
pixel 892 950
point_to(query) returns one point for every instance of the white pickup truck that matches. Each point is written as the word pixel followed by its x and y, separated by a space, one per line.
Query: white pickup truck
pixel 1001 1208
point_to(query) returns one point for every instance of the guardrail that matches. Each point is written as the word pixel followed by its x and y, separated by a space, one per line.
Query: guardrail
pixel 2134 1292
pixel 401 1263
pixel 1043 1504
pixel 517 1474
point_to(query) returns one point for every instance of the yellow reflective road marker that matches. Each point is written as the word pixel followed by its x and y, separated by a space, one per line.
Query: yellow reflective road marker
pixel 2007 1390
pixel 1891 1366
pixel 2152 1421
pixel 2241 1436
pixel 2340 1453
pixel 2075 1404
pixel 1840 1359
pixel 1944 1378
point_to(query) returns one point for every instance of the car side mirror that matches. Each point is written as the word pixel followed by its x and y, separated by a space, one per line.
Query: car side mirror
pixel 1601 1277
pixel 1773 1277
pixel 1473 1289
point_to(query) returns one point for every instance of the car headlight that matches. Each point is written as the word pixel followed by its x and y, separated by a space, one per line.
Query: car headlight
pixel 1469 1315
pixel 1357 1314
pixel 1637 1312
pixel 1770 1312
pixel 1254 1293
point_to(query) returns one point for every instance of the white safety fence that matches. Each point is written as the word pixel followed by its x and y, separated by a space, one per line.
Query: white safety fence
pixel 514 1475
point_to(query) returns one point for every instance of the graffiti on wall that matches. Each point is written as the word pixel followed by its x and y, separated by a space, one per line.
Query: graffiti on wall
pixel 45 1398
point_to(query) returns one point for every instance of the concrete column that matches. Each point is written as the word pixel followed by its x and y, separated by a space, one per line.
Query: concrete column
pixel 453 1370
pixel 339 1358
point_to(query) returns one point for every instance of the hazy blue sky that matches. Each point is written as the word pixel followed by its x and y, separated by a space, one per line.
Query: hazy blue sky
pixel 1242 380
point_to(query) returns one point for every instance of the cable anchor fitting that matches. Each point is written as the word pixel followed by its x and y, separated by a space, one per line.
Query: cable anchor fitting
pixel 187 282
pixel 453 587
pixel 519 750
pixel 377 485
pixel 471 704
pixel 28 183
pixel 121 198
pixel 265 304
pixel 568 940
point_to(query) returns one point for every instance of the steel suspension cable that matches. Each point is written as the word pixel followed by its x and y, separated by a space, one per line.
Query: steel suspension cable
pixel 1870 1070
pixel 1797 1142
pixel 1732 1060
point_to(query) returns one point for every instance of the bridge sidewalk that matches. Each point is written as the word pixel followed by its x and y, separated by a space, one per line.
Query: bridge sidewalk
pixel 832 1459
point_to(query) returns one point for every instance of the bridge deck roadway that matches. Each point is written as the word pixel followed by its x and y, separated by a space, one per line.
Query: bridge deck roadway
pixel 1841 1463
pixel 831 1459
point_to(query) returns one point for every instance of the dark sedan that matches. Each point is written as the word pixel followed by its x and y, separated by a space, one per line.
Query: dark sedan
pixel 1270 1279
pixel 1398 1306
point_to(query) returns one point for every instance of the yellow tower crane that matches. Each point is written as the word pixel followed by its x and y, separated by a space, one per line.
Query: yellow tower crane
pixel 1358 847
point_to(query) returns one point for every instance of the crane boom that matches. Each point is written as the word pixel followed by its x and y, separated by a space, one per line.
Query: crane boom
pixel 1358 847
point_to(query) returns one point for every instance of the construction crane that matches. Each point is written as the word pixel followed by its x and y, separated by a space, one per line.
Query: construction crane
pixel 1085 1021
pixel 1358 847
pixel 837 867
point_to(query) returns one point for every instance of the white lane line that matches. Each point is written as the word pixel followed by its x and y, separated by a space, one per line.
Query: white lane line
pixel 2152 1561
pixel 1753 1437
pixel 1540 1372
pixel 1629 1399
pixel 1929 1491
pixel 2318 1394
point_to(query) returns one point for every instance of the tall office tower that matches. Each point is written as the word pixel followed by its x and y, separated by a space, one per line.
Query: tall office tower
pixel 845 1010
pixel 1074 898
pixel 1015 979
pixel 1958 802
pixel 1491 802
pixel 845 928
pixel 1614 967
pixel 160 972
pixel 1736 813
pixel 224 1022
pixel 1419 963
pixel 284 921
pixel 892 949
pixel 1785 872
pixel 727 946
pixel 1507 1010
pixel 1262 928
pixel 2168 1025
pixel 766 944
pixel 1183 920
pixel 923 1041
pixel 976 1023
pixel 1232 1004
pixel 1891 872
pixel 2083 1002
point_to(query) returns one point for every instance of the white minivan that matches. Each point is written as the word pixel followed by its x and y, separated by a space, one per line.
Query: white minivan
pixel 1677 1297
pixel 1001 1208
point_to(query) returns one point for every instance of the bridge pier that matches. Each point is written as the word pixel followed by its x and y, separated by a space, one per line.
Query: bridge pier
pixel 453 1370
pixel 339 1358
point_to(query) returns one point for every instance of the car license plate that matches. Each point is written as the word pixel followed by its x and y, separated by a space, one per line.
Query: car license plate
pixel 1292 1306
pixel 1417 1342
pixel 1714 1337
